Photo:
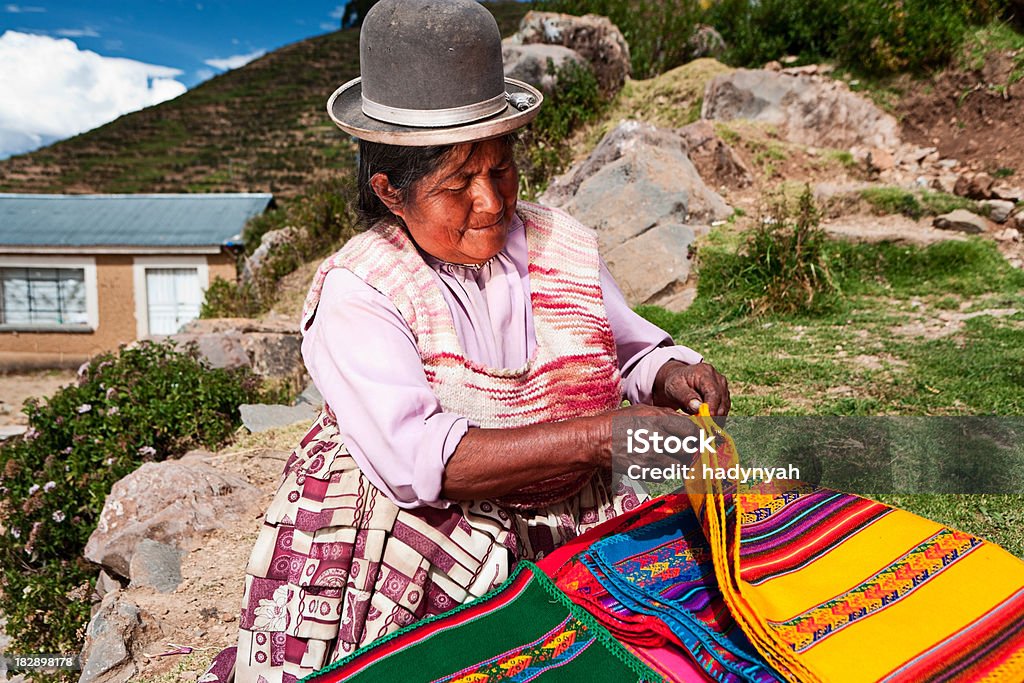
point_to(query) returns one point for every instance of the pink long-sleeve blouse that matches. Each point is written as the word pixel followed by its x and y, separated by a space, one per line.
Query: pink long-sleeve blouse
pixel 362 357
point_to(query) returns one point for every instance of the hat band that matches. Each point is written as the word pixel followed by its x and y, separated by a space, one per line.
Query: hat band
pixel 434 118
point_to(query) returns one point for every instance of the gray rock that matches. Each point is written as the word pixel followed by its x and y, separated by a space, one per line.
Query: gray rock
pixel 705 42
pixel 530 63
pixel 657 262
pixel 1010 193
pixel 596 39
pixel 173 502
pixel 271 241
pixel 275 355
pixel 961 220
pixel 105 583
pixel 998 209
pixel 115 635
pixel 272 348
pixel 259 417
pixel 310 396
pixel 974 186
pixel 155 565
pixel 810 110
pixel 640 192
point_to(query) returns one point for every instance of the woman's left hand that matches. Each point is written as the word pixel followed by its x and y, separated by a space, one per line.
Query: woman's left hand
pixel 681 386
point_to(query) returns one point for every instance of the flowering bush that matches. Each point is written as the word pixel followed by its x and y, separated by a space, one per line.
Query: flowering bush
pixel 149 402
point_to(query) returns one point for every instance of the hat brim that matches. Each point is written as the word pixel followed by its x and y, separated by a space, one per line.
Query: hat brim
pixel 345 108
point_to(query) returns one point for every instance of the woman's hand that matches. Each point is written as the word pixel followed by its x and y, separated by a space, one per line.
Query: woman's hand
pixel 682 386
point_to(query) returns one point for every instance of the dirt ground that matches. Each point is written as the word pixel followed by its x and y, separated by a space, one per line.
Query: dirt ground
pixel 972 116
pixel 16 388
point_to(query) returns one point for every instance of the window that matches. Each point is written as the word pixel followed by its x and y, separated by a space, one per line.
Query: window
pixel 43 297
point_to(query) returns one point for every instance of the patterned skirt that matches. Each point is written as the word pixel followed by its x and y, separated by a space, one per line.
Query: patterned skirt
pixel 337 565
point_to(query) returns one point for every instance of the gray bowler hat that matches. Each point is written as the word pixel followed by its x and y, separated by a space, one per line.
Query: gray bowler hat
pixel 431 74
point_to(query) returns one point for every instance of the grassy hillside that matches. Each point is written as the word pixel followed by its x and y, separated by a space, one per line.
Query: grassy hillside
pixel 262 127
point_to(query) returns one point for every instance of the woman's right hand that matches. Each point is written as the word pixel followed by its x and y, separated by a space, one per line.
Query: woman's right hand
pixel 617 426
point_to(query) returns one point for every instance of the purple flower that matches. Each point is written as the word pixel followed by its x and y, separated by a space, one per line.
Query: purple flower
pixel 32 489
pixel 67 451
pixel 147 451
pixel 111 393
pixel 84 408
pixel 58 516
pixel 49 486
pixel 16 532
pixel 108 462
pixel 32 434
pixel 114 410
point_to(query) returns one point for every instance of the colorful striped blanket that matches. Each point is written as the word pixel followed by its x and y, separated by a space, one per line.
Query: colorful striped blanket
pixel 832 587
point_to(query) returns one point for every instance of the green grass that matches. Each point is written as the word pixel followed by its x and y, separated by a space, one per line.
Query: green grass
pixel 881 349
pixel 915 204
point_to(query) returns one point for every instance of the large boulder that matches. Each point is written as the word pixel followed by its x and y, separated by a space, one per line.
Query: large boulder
pixel 271 347
pixel 643 196
pixel 531 63
pixel 175 503
pixel 807 108
pixel 596 39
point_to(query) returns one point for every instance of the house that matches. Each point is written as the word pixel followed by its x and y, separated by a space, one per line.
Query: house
pixel 82 274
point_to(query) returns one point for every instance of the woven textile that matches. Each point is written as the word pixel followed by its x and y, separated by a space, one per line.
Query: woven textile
pixel 524 630
pixel 573 371
pixel 832 587
pixel 662 574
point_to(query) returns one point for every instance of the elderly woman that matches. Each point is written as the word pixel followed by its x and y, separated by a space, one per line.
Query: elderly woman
pixel 472 351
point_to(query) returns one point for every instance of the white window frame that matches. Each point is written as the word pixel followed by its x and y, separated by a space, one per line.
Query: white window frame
pixel 140 264
pixel 84 263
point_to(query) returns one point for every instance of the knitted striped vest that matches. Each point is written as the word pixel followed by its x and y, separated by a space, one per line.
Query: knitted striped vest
pixel 573 371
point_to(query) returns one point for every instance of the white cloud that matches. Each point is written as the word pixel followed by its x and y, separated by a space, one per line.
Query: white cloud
pixel 205 74
pixel 87 32
pixel 338 12
pixel 327 26
pixel 234 61
pixel 54 90
pixel 22 9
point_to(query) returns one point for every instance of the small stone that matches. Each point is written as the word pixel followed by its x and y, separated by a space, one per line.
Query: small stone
pixel 1008 192
pixel 227 617
pixel 961 220
pixel 1008 235
pixel 259 417
pixel 880 160
pixel 998 209
pixel 945 182
pixel 976 186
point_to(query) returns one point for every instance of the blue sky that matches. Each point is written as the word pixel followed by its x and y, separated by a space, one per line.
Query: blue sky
pixel 103 59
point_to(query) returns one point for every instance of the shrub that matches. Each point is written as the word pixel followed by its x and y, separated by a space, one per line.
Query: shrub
pixel 874 37
pixel 783 266
pixel 323 221
pixel 544 146
pixel 656 31
pixel 148 402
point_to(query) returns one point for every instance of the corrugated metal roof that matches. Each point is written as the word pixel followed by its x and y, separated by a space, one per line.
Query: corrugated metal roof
pixel 132 220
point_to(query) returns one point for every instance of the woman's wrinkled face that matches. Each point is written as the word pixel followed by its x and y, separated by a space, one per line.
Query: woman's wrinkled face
pixel 462 211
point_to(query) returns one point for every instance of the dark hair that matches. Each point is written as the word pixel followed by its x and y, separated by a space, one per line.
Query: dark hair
pixel 403 166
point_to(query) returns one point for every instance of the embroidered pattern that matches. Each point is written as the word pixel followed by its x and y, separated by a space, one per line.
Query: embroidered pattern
pixel 557 647
pixel 926 561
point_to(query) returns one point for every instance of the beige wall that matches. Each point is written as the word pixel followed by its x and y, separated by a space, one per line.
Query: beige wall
pixel 117 321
